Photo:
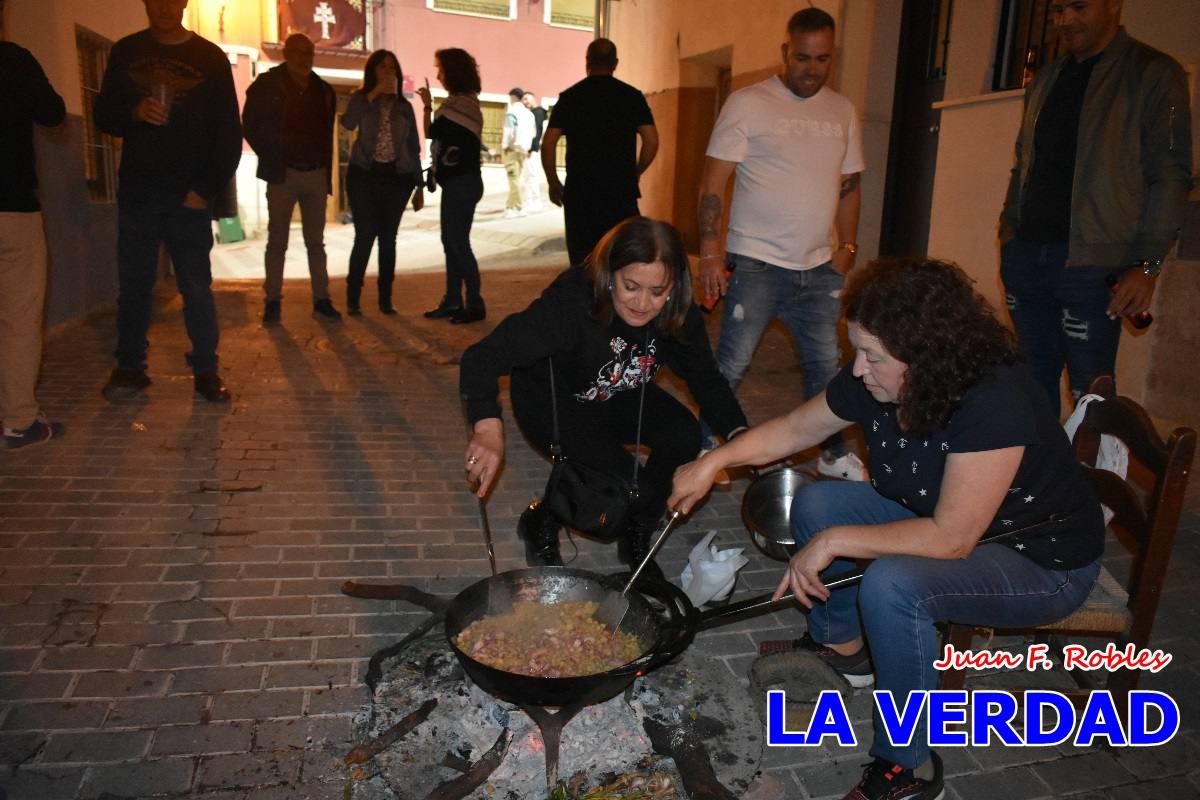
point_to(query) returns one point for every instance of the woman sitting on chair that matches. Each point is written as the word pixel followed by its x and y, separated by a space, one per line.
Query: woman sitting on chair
pixel 608 329
pixel 962 442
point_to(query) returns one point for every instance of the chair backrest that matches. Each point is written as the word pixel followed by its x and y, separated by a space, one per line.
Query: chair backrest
pixel 1148 516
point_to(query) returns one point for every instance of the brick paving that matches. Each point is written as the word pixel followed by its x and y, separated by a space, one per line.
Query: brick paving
pixel 170 616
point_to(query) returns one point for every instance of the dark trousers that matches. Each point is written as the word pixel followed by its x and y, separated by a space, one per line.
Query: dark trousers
pixel 460 195
pixel 377 200
pixel 588 217
pixel 596 434
pixel 187 232
pixel 1059 314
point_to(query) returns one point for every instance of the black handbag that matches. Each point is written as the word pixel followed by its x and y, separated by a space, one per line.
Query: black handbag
pixel 584 498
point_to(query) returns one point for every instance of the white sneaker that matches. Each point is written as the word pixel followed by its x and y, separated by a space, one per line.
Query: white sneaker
pixel 847 468
pixel 512 213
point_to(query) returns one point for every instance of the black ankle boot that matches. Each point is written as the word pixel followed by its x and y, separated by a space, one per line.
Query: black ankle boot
pixel 634 546
pixel 353 297
pixel 539 530
pixel 385 299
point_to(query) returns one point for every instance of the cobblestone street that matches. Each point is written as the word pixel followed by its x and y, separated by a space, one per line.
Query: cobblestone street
pixel 171 621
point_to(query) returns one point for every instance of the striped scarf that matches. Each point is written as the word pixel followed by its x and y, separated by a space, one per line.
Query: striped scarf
pixel 463 109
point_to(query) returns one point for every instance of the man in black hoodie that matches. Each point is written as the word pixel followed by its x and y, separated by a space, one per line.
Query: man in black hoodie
pixel 169 94
pixel 26 97
pixel 288 120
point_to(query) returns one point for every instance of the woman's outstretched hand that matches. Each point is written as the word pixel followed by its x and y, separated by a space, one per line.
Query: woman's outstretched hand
pixel 803 574
pixel 485 452
pixel 691 484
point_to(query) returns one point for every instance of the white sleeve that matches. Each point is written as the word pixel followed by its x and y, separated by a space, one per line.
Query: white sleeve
pixel 853 161
pixel 730 139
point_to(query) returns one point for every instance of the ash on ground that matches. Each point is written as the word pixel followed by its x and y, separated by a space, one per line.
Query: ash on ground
pixel 601 742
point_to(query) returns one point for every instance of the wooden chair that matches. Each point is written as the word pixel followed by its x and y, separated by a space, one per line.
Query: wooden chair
pixel 1145 523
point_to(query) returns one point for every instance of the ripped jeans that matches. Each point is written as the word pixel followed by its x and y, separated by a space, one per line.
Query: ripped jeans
pixel 806 301
pixel 1059 315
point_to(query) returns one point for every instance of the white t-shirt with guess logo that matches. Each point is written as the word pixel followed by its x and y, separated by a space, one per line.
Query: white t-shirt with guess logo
pixel 791 153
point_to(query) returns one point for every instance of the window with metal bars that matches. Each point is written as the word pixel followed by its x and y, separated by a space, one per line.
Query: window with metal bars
pixel 99 149
pixel 1028 41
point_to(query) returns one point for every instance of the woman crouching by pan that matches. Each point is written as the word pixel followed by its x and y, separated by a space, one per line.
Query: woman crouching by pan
pixel 608 329
pixel 962 443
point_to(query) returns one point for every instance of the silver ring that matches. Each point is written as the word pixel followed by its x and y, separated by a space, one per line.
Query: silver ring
pixel 472 460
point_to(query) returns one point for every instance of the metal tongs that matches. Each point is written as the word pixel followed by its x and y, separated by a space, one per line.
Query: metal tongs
pixel 615 608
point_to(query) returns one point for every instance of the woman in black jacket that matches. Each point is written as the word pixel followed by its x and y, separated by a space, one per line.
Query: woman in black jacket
pixel 454 144
pixel 385 168
pixel 608 328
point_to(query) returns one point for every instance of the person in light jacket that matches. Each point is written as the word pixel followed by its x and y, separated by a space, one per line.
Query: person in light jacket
pixel 384 171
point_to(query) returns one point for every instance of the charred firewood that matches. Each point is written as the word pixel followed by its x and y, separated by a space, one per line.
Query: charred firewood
pixel 396 591
pixel 365 752
pixel 691 759
pixel 375 665
pixel 463 785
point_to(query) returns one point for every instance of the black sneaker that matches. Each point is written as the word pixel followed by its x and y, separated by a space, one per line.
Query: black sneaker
pixel 324 308
pixel 882 780
pixel 39 432
pixel 272 312
pixel 856 669
pixel 634 546
pixel 124 383
pixel 212 388
pixel 538 529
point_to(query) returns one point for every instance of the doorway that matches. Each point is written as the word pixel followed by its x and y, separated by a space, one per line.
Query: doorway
pixel 913 146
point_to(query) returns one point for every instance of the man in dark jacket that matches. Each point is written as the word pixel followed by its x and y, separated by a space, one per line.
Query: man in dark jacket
pixel 288 120
pixel 169 94
pixel 1098 194
pixel 26 97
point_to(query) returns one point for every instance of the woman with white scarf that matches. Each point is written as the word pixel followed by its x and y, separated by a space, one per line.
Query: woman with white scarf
pixel 455 143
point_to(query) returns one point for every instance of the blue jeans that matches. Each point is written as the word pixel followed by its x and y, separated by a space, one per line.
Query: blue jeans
pixel 187 233
pixel 1059 315
pixel 900 598
pixel 460 195
pixel 807 301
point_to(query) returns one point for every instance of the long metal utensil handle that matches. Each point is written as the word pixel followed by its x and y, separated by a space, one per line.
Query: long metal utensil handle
pixel 487 533
pixel 763 603
pixel 662 537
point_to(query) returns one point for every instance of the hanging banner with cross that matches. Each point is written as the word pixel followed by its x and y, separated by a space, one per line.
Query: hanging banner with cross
pixel 331 24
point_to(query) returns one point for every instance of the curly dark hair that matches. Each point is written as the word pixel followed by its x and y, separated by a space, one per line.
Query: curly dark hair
pixel 460 73
pixel 641 240
pixel 928 315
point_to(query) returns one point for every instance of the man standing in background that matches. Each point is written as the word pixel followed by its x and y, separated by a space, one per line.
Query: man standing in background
pixel 532 190
pixel 602 118
pixel 1098 193
pixel 796 148
pixel 514 146
pixel 288 120
pixel 26 98
pixel 169 94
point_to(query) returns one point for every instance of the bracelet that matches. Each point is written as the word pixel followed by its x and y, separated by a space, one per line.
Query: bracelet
pixel 702 258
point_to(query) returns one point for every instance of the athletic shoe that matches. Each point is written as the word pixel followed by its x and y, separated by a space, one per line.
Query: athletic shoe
pixel 855 669
pixel 882 780
pixel 847 467
pixel 38 432
pixel 324 308
pixel 124 382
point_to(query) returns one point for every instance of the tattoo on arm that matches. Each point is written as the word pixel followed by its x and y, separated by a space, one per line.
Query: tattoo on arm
pixel 850 183
pixel 710 216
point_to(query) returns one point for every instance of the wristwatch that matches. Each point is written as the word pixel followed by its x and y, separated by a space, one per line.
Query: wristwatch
pixel 1150 267
pixel 851 246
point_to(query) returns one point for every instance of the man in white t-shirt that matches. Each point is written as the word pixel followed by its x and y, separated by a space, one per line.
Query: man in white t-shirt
pixel 796 149
pixel 518 133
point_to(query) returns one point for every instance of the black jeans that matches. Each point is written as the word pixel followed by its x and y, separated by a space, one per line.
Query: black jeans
pixel 187 233
pixel 377 200
pixel 597 433
pixel 460 195
pixel 588 217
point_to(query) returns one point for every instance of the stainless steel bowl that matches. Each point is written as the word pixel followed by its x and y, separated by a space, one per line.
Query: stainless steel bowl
pixel 766 511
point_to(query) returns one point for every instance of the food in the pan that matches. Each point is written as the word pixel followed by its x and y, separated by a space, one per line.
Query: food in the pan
pixel 563 640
